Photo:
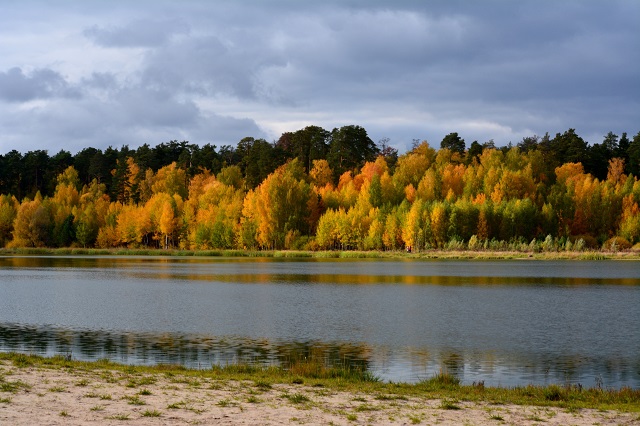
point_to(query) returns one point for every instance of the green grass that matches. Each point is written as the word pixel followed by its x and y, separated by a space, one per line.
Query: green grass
pixel 119 417
pixel 224 403
pixel 366 407
pixel 441 381
pixel 415 420
pixel 152 413
pixel 134 400
pixel 13 386
pixel 505 253
pixel 297 398
pixel 449 404
pixel 441 386
pixel 263 385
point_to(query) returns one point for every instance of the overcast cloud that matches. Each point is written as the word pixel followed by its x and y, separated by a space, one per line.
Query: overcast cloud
pixel 78 74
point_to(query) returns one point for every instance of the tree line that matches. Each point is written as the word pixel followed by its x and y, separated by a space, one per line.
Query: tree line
pixel 320 189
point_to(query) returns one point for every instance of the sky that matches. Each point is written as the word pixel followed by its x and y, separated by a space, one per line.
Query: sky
pixel 77 74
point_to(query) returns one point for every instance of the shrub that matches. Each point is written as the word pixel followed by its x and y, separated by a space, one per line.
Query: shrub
pixel 474 243
pixel 455 244
pixel 616 243
pixel 549 244
pixel 589 242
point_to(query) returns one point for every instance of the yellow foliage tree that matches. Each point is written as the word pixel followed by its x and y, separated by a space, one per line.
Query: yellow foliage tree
pixel 8 210
pixel 321 174
pixel 171 180
pixel 438 221
pixel 280 205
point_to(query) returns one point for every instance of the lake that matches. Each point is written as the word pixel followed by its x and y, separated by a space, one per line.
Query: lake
pixel 506 323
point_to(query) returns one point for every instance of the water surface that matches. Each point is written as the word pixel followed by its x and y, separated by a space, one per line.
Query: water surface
pixel 504 322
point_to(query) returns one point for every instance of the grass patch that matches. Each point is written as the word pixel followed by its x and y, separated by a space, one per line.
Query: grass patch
pixel 119 417
pixel 13 386
pixel 97 408
pixel 503 251
pixel 224 403
pixel 135 382
pixel 297 398
pixel 441 381
pixel 415 420
pixel 145 392
pixel 366 407
pixel 449 404
pixel 134 400
pixel 176 405
pixel 536 418
pixel 383 397
pixel 152 413
pixel 263 385
pixel 82 383
pixel 23 360
pixel 5 400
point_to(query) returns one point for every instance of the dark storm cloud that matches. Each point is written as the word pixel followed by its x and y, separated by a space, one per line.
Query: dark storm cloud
pixel 137 33
pixel 209 65
pixel 219 71
pixel 16 86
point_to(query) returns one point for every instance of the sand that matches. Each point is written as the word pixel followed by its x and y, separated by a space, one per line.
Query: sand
pixel 78 397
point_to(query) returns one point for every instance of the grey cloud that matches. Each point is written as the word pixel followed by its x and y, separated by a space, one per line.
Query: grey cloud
pixel 138 33
pixel 404 69
pixel 101 80
pixel 210 65
pixel 141 107
pixel 16 86
pixel 122 120
pixel 224 130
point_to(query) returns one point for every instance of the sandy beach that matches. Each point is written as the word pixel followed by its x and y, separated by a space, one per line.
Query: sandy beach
pixel 43 396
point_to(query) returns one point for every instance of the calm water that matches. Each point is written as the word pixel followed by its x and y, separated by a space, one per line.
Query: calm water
pixel 505 322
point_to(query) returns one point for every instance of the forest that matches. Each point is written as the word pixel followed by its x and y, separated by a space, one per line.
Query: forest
pixel 315 189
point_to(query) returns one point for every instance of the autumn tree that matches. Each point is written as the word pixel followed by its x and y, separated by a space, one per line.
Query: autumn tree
pixel 231 176
pixel 630 219
pixel 415 232
pixel 438 220
pixel 8 210
pixel 33 224
pixel 412 166
pixel 280 205
pixel 321 174
pixel 170 180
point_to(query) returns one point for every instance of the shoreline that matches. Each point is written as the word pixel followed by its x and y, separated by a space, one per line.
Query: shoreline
pixel 337 254
pixel 37 390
